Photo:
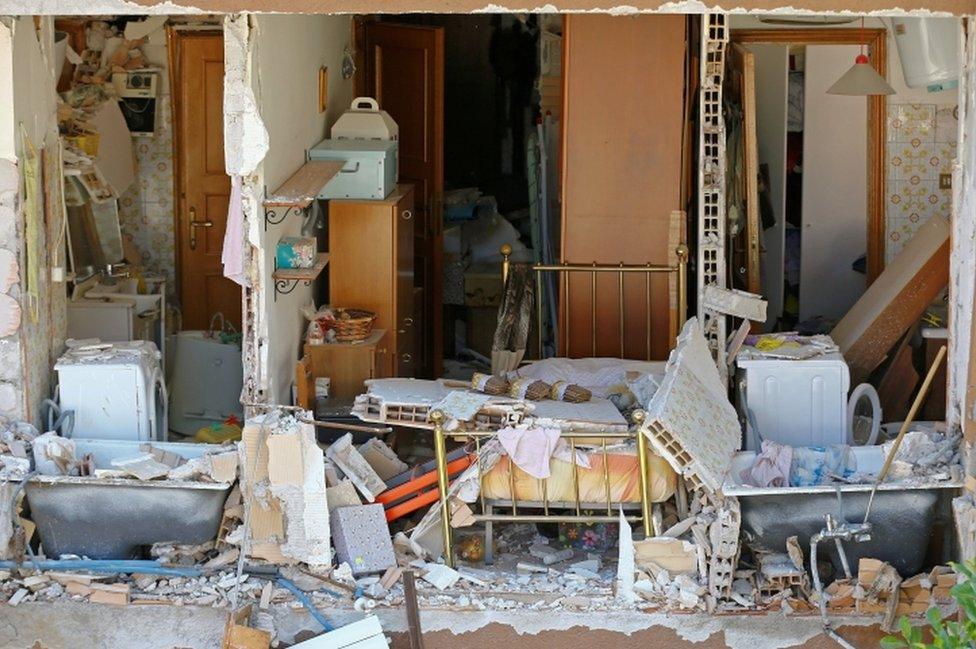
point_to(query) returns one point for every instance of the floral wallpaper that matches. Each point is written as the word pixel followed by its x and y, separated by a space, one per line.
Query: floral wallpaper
pixel 921 147
pixel 146 208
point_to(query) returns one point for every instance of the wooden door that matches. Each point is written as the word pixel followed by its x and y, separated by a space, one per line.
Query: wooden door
pixel 404 71
pixel 741 89
pixel 202 186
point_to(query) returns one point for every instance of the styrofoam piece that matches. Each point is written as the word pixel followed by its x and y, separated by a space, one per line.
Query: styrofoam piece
pixel 441 576
pixel 363 634
pixel 797 402
pixel 735 303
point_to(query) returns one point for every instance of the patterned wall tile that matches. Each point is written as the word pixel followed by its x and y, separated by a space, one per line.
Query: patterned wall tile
pixel 146 209
pixel 921 146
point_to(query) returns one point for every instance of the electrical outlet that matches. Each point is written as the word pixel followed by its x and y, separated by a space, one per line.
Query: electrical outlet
pixel 57 274
pixel 945 181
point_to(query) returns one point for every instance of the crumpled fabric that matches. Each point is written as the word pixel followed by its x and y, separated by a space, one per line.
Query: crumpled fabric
pixel 772 466
pixel 817 465
pixel 530 448
pixel 232 255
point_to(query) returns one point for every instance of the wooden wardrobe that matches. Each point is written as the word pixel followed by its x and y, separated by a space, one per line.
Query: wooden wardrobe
pixel 371 267
pixel 623 117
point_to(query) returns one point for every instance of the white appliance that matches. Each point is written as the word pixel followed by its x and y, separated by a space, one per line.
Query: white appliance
pixel 929 51
pixel 794 402
pixel 137 91
pixel 112 389
pixel 207 379
pixel 365 121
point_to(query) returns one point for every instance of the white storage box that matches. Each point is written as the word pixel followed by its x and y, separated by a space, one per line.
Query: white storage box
pixel 365 121
pixel 796 402
pixel 370 170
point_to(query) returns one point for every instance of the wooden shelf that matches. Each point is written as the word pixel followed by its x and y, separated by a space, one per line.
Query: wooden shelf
pixel 304 185
pixel 303 274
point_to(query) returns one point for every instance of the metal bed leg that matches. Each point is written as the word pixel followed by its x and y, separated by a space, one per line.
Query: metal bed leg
pixel 489 536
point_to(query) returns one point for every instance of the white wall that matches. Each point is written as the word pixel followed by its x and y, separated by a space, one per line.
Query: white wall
pixel 772 76
pixel 288 52
pixel 834 180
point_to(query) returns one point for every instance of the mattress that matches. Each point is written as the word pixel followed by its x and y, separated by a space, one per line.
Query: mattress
pixel 622 472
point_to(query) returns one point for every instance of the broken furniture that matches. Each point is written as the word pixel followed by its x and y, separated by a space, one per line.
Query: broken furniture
pixel 207 376
pixel 800 402
pixel 347 365
pixel 408 402
pixel 902 518
pixel 128 514
pixel 614 480
pixel 895 300
pixel 112 390
pixel 372 266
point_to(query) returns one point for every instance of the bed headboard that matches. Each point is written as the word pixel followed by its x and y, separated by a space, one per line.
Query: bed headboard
pixel 678 300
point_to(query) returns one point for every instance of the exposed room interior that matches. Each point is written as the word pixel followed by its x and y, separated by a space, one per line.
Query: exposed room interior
pixel 554 311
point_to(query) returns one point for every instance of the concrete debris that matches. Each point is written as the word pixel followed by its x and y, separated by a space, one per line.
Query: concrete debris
pixel 778 573
pixel 625 563
pixel 345 456
pixel 880 587
pixel 343 494
pixel 740 304
pixel 929 454
pixel 142 467
pixel 283 484
pixel 675 556
pixel 382 459
pixel 440 575
pixel 550 555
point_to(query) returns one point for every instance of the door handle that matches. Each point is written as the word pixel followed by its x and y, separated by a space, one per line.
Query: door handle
pixel 194 224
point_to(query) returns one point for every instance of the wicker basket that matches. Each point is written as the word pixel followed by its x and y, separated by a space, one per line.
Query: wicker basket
pixel 353 325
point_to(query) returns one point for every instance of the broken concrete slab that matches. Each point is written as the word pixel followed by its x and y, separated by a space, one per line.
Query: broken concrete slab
pixel 345 456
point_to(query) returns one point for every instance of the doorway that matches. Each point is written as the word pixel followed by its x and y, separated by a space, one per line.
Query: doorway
pixel 822 232
pixel 201 186
pixel 487 123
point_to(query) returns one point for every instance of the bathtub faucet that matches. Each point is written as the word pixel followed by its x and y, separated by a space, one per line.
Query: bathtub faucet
pixel 857 532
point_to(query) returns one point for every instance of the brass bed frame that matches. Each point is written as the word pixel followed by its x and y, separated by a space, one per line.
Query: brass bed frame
pixel 565 270
pixel 488 516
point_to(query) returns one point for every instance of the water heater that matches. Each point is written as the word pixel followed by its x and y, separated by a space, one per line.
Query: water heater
pixel 929 51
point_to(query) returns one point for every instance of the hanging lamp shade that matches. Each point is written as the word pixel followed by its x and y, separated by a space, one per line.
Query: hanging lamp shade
pixel 861 79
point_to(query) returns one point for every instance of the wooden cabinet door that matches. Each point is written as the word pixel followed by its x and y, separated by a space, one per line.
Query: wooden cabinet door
pixel 404 71
pixel 405 221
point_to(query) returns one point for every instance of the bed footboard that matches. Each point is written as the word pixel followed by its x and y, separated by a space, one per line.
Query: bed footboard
pixel 552 511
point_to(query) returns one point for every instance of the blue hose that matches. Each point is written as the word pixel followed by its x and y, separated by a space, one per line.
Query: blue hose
pixel 306 602
pixel 146 566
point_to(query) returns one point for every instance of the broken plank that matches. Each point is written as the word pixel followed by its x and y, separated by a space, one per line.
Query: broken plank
pixel 303 186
